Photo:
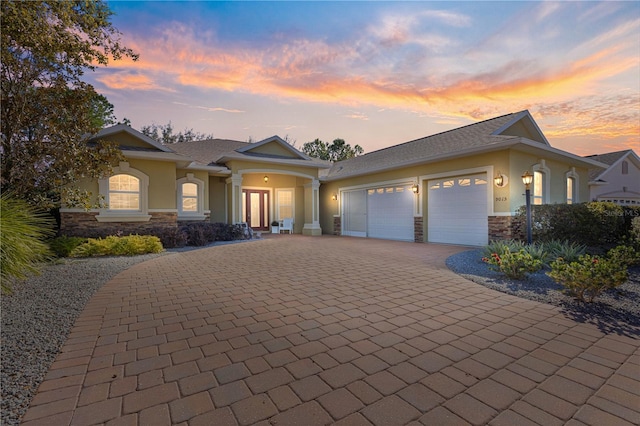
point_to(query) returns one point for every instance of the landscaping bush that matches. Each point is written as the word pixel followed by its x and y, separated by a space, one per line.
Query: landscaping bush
pixel 62 246
pixel 566 250
pixel 594 224
pixel 118 246
pixel 22 244
pixel 514 265
pixel 170 237
pixel 589 276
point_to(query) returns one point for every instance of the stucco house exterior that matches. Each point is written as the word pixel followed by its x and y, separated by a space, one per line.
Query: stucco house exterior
pixel 441 188
pixel 619 182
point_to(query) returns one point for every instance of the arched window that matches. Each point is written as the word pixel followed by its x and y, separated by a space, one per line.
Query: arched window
pixel 124 192
pixel 572 186
pixel 126 195
pixel 189 201
pixel 190 198
pixel 541 183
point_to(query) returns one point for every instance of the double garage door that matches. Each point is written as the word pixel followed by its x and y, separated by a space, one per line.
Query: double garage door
pixel 456 213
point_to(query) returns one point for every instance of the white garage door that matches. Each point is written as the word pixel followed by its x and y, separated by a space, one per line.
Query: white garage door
pixel 390 213
pixel 457 210
pixel 384 212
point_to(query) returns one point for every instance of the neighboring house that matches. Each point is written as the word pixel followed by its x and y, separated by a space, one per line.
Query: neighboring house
pixel 441 188
pixel 619 182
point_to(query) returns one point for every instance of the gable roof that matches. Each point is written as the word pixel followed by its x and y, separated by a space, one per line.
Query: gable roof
pixel 220 151
pixel 209 151
pixel 123 128
pixel 484 136
pixel 612 159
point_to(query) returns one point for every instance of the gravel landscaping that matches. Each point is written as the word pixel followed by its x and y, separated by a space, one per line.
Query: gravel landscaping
pixel 621 304
pixel 39 315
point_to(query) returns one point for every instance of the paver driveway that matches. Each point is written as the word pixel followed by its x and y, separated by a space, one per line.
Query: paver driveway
pixel 296 330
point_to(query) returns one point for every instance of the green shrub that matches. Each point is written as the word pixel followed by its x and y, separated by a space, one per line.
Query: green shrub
pixel 22 233
pixel 589 276
pixel 514 265
pixel 62 246
pixel 502 246
pixel 566 250
pixel 118 246
pixel 593 224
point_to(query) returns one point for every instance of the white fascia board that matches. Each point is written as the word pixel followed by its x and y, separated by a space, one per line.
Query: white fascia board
pixel 220 170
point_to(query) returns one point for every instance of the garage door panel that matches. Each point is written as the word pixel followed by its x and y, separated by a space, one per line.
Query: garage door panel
pixel 457 210
pixel 390 213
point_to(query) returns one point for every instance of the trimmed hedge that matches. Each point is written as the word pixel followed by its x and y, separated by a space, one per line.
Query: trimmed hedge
pixel 593 224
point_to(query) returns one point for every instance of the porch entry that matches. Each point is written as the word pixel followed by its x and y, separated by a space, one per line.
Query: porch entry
pixel 255 209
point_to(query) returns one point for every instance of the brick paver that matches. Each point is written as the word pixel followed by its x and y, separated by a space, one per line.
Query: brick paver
pixel 299 330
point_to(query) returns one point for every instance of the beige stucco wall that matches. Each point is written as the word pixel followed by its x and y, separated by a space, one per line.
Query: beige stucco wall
pixel 274 148
pixel 162 183
pixel 217 198
pixel 505 200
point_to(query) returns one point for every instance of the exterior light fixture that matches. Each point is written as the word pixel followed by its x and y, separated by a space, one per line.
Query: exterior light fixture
pixel 527 179
pixel 266 178
pixel 501 180
pixel 415 188
pixel 334 197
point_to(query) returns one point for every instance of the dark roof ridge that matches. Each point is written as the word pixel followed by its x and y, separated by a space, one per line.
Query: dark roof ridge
pixel 610 153
pixel 446 131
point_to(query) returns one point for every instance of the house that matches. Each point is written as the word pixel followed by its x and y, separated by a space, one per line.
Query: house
pixel 619 182
pixel 459 187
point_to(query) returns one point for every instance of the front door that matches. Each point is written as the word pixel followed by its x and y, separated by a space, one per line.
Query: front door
pixel 255 209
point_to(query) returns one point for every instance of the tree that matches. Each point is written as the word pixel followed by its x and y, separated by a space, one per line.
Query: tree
pixel 165 135
pixel 338 150
pixel 47 111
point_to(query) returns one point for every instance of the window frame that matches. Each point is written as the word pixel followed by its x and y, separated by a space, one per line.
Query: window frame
pixel 545 185
pixel 141 214
pixel 573 176
pixel 190 215
pixel 277 205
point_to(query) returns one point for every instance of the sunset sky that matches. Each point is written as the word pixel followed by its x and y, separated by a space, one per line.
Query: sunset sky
pixel 380 73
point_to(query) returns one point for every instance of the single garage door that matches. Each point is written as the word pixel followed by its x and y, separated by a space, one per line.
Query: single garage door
pixel 383 212
pixel 390 213
pixel 457 210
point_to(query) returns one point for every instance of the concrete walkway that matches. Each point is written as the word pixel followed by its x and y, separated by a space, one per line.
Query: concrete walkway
pixel 294 330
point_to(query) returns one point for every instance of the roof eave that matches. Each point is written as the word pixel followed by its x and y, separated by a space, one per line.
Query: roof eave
pixel 180 160
pixel 286 162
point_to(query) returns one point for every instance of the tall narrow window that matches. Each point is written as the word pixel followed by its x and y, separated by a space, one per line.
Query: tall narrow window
pixel 124 192
pixel 284 207
pixel 189 197
pixel 538 187
pixel 571 185
pixel 625 167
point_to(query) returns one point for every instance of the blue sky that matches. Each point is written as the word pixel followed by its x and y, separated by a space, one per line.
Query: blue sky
pixel 380 73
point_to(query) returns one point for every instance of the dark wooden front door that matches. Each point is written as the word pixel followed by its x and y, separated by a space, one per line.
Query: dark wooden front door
pixel 255 209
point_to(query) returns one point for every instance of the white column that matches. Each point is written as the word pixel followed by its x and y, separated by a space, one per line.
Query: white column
pixel 235 181
pixel 312 208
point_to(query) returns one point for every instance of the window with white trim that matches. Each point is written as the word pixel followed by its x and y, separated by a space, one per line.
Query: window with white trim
pixel 124 193
pixel 284 203
pixel 190 197
pixel 189 202
pixel 538 188
pixel 541 181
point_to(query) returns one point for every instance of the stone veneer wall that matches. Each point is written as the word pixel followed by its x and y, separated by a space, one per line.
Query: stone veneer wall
pixel 506 228
pixel 84 224
pixel 337 225
pixel 418 229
